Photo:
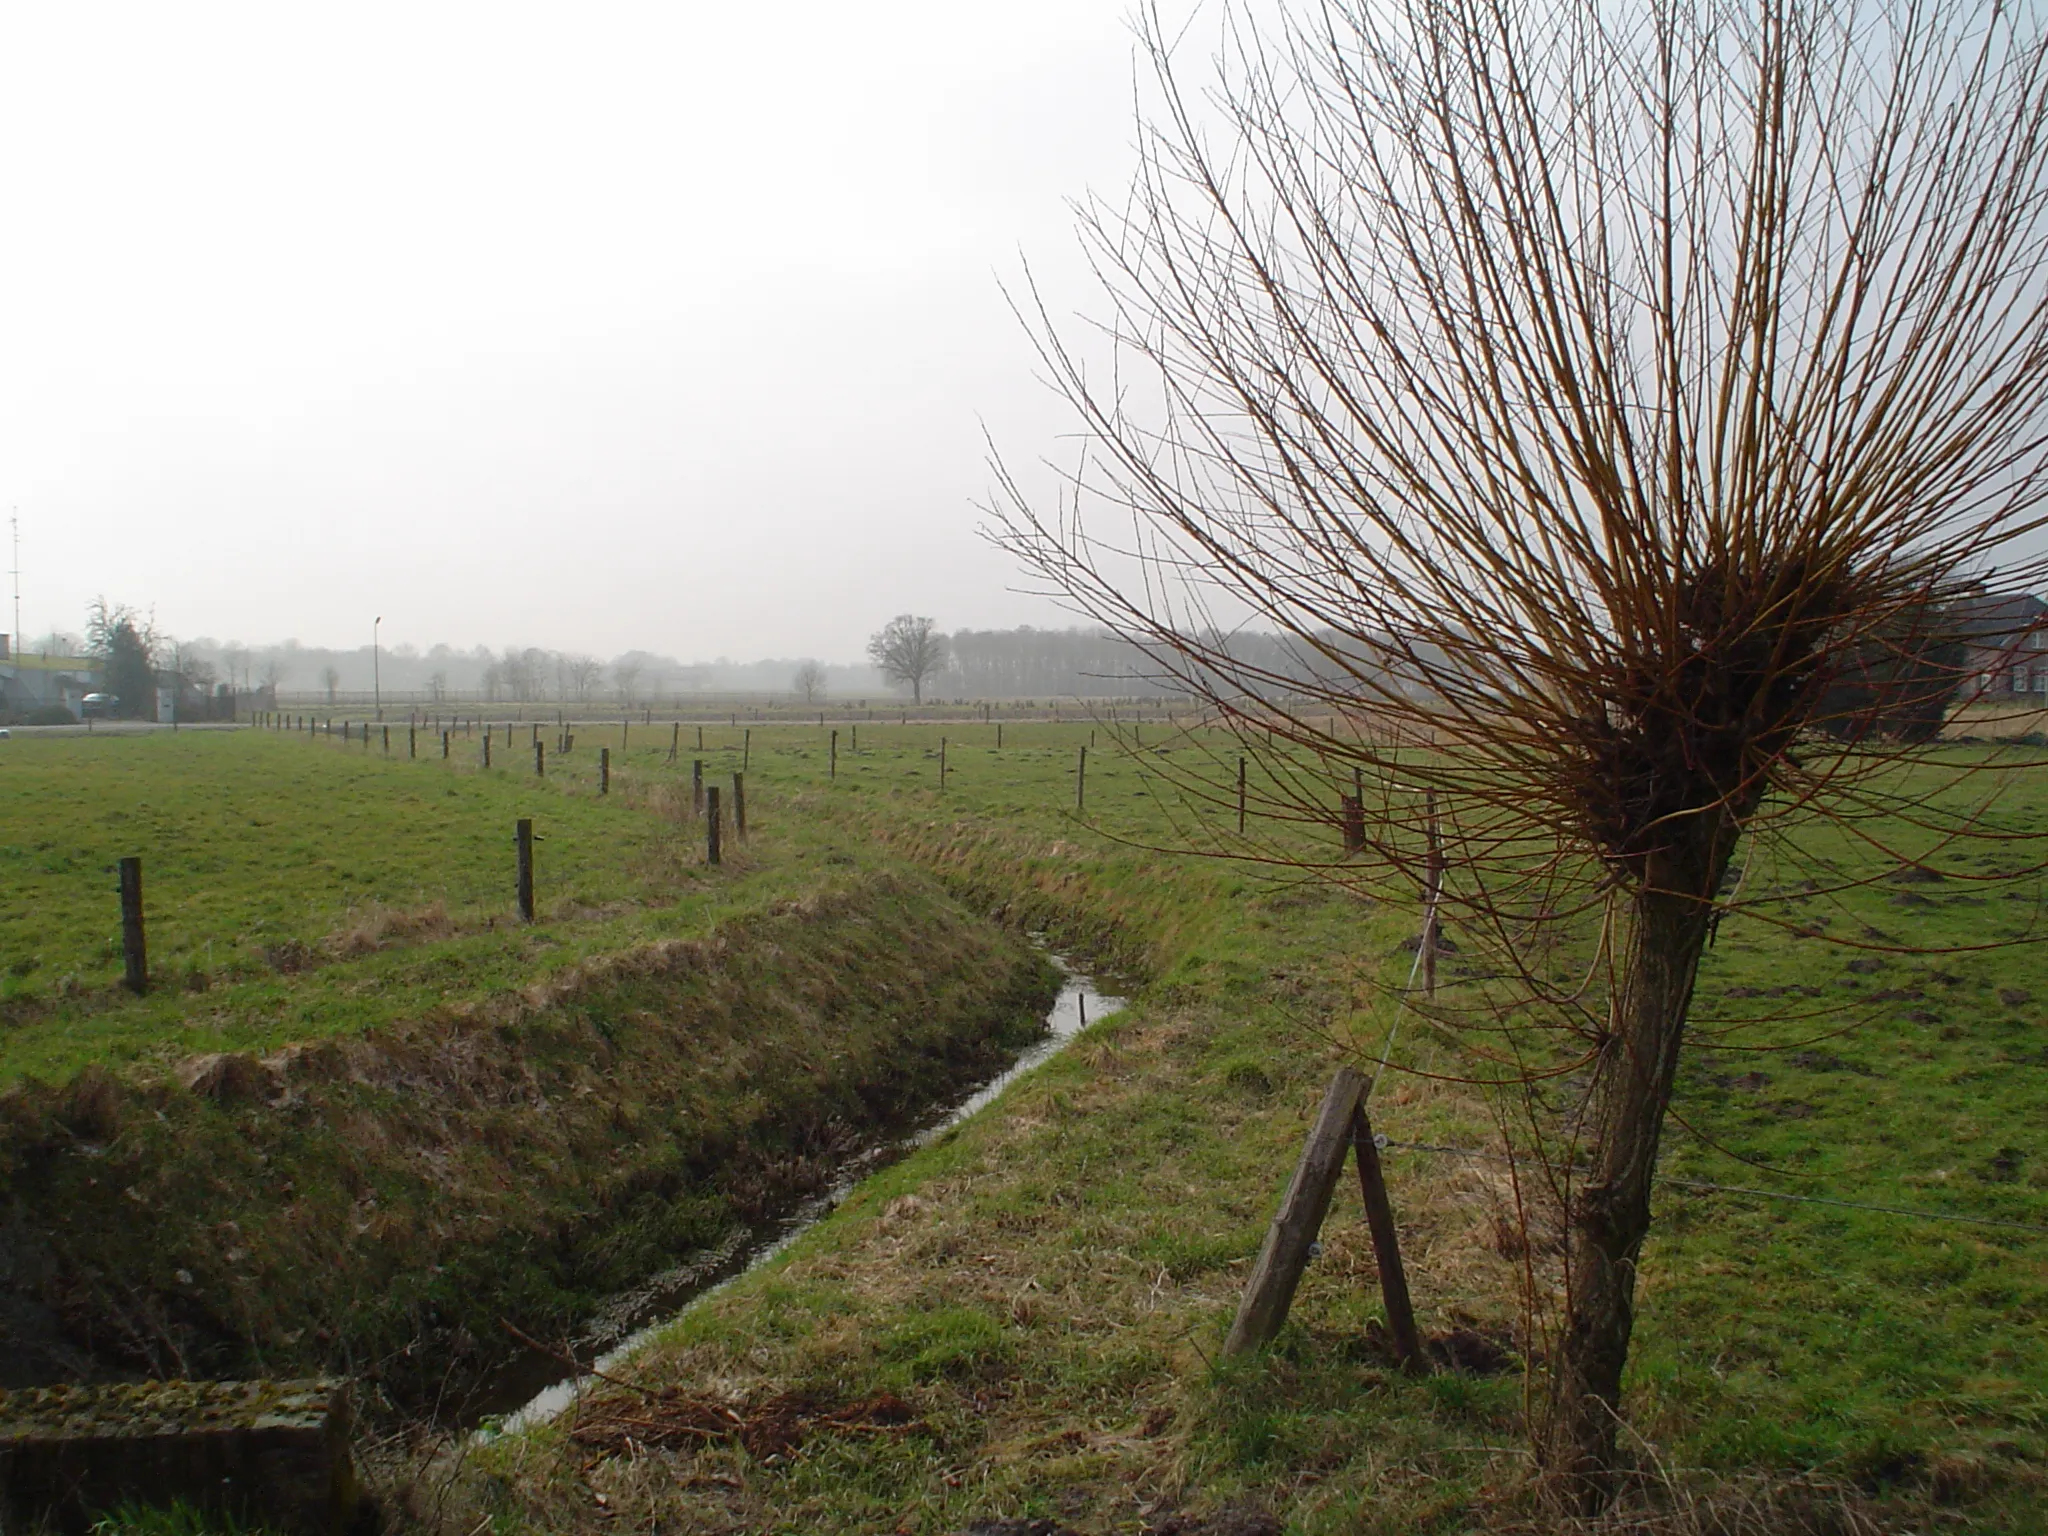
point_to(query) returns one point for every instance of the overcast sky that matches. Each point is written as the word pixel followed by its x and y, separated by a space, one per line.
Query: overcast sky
pixel 590 326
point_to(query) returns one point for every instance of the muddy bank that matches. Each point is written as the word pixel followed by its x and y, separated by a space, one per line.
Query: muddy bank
pixel 382 1205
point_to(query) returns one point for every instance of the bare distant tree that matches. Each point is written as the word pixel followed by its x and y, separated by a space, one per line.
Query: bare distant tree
pixel 1577 389
pixel 581 673
pixel 626 678
pixel 809 681
pixel 273 672
pixel 330 679
pixel 522 672
pixel 908 650
pixel 235 658
pixel 437 686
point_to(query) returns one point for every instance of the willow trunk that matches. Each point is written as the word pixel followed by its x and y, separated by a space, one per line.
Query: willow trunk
pixel 1670 920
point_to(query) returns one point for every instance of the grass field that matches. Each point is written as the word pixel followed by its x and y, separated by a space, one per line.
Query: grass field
pixel 1047 1287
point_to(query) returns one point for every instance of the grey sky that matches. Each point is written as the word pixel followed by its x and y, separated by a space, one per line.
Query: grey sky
pixel 591 326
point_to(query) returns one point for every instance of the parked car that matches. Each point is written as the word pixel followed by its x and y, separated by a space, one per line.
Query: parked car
pixel 100 705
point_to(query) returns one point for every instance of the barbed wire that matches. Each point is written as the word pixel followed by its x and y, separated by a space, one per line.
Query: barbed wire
pixel 1735 1189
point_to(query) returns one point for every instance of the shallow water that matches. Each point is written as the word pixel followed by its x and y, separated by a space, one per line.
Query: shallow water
pixel 543 1387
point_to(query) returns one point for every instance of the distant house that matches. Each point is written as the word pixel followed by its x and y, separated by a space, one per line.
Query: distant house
pixel 2005 642
pixel 32 682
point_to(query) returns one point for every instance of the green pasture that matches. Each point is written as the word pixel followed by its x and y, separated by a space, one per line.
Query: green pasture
pixel 1861 1036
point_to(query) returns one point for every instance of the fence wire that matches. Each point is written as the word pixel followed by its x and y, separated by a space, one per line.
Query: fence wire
pixel 1737 1189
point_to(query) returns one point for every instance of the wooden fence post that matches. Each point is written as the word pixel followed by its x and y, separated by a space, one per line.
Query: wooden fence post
pixel 523 835
pixel 999 735
pixel 1270 1292
pixel 1081 783
pixel 697 787
pixel 746 747
pixel 604 770
pixel 832 771
pixel 711 824
pixel 540 761
pixel 675 741
pixel 1353 810
pixel 134 953
pixel 700 738
pixel 487 749
pixel 444 746
pixel 1386 1243
pixel 942 764
pixel 412 741
pixel 739 805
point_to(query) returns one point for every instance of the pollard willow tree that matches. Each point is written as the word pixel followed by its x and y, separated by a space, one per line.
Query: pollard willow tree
pixel 1575 388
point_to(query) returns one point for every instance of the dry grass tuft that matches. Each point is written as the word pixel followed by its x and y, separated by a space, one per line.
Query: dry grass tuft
pixel 673 1419
pixel 380 927
pixel 1661 1501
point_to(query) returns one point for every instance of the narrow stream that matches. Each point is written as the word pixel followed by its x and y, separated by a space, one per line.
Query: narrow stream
pixel 622 1325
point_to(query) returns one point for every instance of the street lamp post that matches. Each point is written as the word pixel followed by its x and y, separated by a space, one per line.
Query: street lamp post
pixel 376 669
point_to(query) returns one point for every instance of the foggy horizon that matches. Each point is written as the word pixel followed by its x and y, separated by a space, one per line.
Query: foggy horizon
pixel 632 329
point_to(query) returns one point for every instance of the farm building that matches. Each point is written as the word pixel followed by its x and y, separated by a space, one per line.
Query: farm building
pixel 32 682
pixel 2006 646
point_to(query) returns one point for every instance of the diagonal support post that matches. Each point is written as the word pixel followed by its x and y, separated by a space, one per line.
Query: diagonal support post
pixel 1341 1127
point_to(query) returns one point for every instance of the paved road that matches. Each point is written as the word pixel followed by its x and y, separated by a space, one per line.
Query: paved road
pixel 118 728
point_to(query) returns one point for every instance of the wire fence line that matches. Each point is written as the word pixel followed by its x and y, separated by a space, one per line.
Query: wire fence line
pixel 1736 1189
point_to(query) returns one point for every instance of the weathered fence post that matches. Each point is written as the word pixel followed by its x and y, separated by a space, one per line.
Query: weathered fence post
pixel 444 746
pixel 942 764
pixel 523 836
pixel 134 953
pixel 1081 783
pixel 832 770
pixel 540 761
pixel 675 741
pixel 1354 823
pixel 746 747
pixel 697 786
pixel 999 735
pixel 1386 1243
pixel 604 770
pixel 412 741
pixel 739 805
pixel 487 749
pixel 624 727
pixel 1277 1273
pixel 711 824
pixel 700 738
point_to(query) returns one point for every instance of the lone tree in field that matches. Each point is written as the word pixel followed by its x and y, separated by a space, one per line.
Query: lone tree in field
pixel 125 648
pixel 1580 389
pixel 330 679
pixel 908 650
pixel 809 681
pixel 626 678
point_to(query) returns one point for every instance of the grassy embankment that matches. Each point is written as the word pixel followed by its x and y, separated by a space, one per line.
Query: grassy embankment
pixel 1047 1288
pixel 361 1115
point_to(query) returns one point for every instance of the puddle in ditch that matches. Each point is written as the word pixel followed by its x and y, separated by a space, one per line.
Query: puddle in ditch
pixel 534 1388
